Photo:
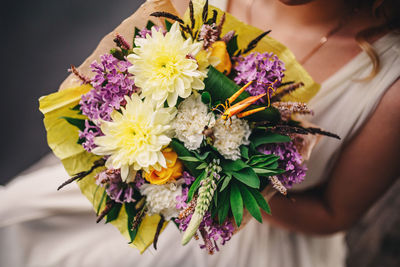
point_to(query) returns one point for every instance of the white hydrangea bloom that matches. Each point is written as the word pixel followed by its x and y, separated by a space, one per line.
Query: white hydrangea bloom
pixel 161 199
pixel 229 137
pixel 190 121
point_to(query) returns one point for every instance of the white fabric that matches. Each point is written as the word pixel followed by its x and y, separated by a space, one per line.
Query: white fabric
pixel 42 227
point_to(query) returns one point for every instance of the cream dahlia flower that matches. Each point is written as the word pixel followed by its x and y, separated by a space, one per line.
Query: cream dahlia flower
pixel 134 138
pixel 190 121
pixel 165 67
pixel 229 137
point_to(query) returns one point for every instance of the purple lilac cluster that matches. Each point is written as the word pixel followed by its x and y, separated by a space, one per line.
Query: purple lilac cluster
pixel 144 32
pixel 265 70
pixel 111 84
pixel 88 135
pixel 211 231
pixel 215 232
pixel 290 160
pixel 116 189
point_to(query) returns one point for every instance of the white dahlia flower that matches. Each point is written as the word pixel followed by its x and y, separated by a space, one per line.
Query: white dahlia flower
pixel 190 121
pixel 134 138
pixel 164 66
pixel 161 199
pixel 229 137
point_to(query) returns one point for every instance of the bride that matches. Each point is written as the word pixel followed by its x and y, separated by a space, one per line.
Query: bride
pixel 359 100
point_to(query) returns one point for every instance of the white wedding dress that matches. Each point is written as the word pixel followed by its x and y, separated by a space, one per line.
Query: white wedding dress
pixel 40 226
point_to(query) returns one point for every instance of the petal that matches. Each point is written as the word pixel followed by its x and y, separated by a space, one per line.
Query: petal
pixel 124 172
pixel 172 98
pixel 198 84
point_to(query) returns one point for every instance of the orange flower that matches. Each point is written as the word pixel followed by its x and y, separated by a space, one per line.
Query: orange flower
pixel 173 171
pixel 219 51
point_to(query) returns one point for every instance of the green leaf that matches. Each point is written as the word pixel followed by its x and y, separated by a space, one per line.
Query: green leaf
pixel 114 212
pixel 253 150
pixel 236 204
pixel 224 206
pixel 195 185
pixel 226 181
pixel 244 151
pixel 168 25
pixel 232 46
pixel 101 202
pixel 221 87
pixel 81 141
pixel 76 107
pixel 268 172
pixel 248 177
pixel 274 165
pixel 250 203
pixel 215 197
pixel 206 98
pixel 213 211
pixel 262 203
pixel 260 138
pixel 256 159
pixel 149 25
pixel 188 158
pixel 233 166
pixel 202 166
pixel 268 162
pixel 202 156
pixel 182 151
pixel 131 212
pixel 79 123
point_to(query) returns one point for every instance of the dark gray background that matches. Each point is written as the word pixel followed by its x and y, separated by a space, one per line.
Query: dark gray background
pixel 40 39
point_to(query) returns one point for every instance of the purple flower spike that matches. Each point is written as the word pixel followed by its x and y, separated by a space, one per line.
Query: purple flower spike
pixel 265 70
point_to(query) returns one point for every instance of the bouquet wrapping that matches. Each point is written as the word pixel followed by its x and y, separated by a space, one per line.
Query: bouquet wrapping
pixel 192 122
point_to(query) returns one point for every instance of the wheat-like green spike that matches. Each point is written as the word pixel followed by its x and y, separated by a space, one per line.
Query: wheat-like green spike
pixel 205 195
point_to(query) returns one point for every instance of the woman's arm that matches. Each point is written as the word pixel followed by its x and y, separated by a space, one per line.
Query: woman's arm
pixel 368 165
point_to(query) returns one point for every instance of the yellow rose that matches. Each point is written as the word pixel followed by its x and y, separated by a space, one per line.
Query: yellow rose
pixel 218 49
pixel 173 171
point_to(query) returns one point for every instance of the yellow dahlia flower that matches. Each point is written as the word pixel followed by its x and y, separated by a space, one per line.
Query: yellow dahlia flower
pixel 165 67
pixel 134 138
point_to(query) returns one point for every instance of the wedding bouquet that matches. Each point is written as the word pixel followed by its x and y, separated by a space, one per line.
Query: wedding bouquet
pixel 190 122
